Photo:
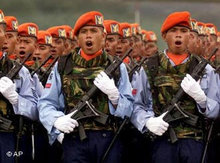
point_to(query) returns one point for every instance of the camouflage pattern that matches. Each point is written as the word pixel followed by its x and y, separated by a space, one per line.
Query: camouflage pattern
pixel 165 84
pixel 77 82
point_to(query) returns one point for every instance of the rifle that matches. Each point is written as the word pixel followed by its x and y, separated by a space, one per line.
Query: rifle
pixel 124 122
pixel 80 111
pixel 47 72
pixel 174 112
pixel 42 64
pixel 136 67
pixel 207 142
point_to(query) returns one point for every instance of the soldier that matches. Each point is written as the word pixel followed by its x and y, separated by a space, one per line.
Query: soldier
pixel 195 47
pixel 27 44
pixel 74 42
pixel 11 36
pixel 86 66
pixel 17 100
pixel 112 29
pixel 173 65
pixel 211 31
pixel 58 34
pixel 68 40
pixel 150 43
pixel 124 42
pixel 137 41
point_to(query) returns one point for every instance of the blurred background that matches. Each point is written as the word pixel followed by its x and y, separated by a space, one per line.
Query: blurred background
pixel 148 13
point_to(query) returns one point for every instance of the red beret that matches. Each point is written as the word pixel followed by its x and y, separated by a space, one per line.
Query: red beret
pixel 125 30
pixel 28 30
pixel 57 31
pixel 194 26
pixel 92 18
pixel 2 21
pixel 201 28
pixel 149 36
pixel 176 18
pixel 135 29
pixel 211 29
pixel 11 23
pixel 44 38
pixel 68 30
pixel 111 26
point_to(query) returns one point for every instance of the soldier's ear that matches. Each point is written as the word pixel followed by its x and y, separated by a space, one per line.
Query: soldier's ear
pixel 164 36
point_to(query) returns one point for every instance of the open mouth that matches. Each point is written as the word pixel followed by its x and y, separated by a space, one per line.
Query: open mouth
pixel 4 48
pixel 178 43
pixel 118 53
pixel 22 54
pixel 89 44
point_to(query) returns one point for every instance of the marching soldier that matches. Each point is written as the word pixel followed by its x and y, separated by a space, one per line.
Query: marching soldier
pixel 17 100
pixel 171 73
pixel 85 67
pixel 11 36
pixel 112 30
pixel 58 34
pixel 150 43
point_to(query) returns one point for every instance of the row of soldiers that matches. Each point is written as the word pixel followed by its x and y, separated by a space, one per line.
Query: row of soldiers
pixel 75 89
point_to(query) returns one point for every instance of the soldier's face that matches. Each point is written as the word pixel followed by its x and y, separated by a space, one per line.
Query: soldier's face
pixel 58 46
pixel 211 43
pixel 42 52
pixel 68 46
pixel 137 46
pixel 194 44
pixel 2 35
pixel 26 45
pixel 177 39
pixel 111 43
pixel 91 39
pixel 74 43
pixel 10 42
pixel 150 48
pixel 122 47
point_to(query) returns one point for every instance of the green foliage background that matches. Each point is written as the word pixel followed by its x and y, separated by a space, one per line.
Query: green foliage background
pixel 47 13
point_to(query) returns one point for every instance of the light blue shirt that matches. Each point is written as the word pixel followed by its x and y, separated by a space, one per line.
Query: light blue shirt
pixel 51 104
pixel 27 99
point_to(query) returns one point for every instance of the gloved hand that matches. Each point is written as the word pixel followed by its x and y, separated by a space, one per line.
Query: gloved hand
pixel 8 90
pixel 65 123
pixel 107 86
pixel 157 125
pixel 193 89
pixel 60 137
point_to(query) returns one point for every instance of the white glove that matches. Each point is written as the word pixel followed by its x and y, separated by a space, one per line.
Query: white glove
pixel 8 90
pixel 193 89
pixel 107 86
pixel 60 137
pixel 65 123
pixel 157 125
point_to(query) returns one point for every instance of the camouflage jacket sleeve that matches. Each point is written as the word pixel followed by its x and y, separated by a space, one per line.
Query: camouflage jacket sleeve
pixel 124 107
pixel 27 99
pixel 210 84
pixel 51 104
pixel 143 109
